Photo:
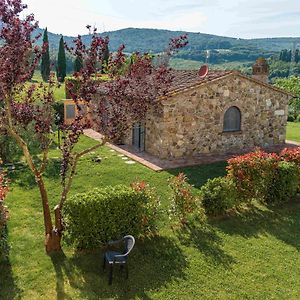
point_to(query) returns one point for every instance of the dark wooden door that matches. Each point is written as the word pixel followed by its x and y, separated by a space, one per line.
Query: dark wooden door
pixel 138 136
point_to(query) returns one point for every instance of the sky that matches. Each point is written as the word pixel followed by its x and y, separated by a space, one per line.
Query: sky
pixel 235 18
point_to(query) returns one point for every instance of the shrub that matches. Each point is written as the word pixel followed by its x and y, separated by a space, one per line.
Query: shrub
pixel 253 173
pixel 291 155
pixel 285 183
pixel 93 218
pixel 298 118
pixel 183 202
pixel 218 195
pixel 291 118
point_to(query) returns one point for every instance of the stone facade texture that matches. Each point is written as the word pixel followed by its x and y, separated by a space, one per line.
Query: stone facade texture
pixel 191 121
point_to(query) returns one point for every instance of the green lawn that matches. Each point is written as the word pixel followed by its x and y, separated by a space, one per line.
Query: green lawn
pixel 254 255
pixel 293 131
pixel 59 92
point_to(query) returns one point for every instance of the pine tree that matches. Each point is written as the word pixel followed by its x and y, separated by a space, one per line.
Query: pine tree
pixel 45 65
pixel 61 61
pixel 78 64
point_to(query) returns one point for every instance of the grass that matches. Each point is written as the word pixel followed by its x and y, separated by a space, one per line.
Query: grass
pixel 252 255
pixel 59 92
pixel 293 131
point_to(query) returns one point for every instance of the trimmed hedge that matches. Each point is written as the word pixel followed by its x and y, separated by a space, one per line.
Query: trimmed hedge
pixel 218 195
pixel 93 218
pixel 285 183
pixel 267 177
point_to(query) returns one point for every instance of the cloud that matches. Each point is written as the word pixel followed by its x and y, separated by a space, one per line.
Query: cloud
pixel 239 18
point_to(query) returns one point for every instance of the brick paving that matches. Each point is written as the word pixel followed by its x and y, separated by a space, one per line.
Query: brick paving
pixel 157 164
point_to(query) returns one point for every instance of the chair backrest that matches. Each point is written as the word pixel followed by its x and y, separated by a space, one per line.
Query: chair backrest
pixel 129 243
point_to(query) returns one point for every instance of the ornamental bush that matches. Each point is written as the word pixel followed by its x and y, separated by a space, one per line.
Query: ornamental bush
pixel 183 203
pixel 285 183
pixel 291 155
pixel 93 218
pixel 253 173
pixel 218 195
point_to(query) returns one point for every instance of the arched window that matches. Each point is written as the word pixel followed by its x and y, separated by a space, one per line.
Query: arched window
pixel 232 119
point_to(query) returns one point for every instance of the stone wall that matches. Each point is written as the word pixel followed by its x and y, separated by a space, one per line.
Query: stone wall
pixel 192 121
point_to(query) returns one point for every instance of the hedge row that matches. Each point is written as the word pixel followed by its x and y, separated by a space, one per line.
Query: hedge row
pixel 267 177
pixel 93 218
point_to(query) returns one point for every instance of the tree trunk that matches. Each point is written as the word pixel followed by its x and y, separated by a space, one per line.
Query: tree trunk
pixel 52 241
pixel 52 234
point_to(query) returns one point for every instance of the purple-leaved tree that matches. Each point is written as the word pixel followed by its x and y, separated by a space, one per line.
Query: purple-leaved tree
pixel 134 88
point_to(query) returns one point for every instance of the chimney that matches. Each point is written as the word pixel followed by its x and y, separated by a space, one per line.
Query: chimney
pixel 260 70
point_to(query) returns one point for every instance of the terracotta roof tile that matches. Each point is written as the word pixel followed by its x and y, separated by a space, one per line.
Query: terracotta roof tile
pixel 183 79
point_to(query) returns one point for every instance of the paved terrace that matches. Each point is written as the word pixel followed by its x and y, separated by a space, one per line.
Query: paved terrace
pixel 157 164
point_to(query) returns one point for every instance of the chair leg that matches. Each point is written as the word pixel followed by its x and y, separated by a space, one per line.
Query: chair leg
pixel 104 262
pixel 126 269
pixel 110 274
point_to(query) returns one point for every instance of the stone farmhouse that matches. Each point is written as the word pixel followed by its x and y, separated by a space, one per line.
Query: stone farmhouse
pixel 225 112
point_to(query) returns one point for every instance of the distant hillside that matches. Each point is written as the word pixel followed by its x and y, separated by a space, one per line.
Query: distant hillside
pixel 155 40
pixel 222 50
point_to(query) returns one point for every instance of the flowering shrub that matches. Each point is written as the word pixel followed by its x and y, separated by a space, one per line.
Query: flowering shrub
pixel 93 218
pixel 218 195
pixel 253 173
pixel 291 155
pixel 183 202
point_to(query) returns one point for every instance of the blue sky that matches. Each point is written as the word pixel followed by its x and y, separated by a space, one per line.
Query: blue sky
pixel 237 18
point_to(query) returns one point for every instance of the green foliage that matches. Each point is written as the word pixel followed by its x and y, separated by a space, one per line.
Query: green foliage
pixel 183 202
pixel 105 59
pixel 4 247
pixel 101 215
pixel 285 55
pixel 59 113
pixel 9 150
pixel 45 64
pixel 78 64
pixel 285 183
pixel 218 195
pixel 61 68
pixel 291 118
pixel 292 85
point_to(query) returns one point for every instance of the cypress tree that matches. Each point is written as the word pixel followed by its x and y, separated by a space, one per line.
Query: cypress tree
pixel 45 65
pixel 289 56
pixel 78 64
pixel 297 56
pixel 105 59
pixel 61 61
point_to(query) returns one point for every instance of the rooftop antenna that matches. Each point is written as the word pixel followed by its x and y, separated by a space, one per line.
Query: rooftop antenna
pixel 207 56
